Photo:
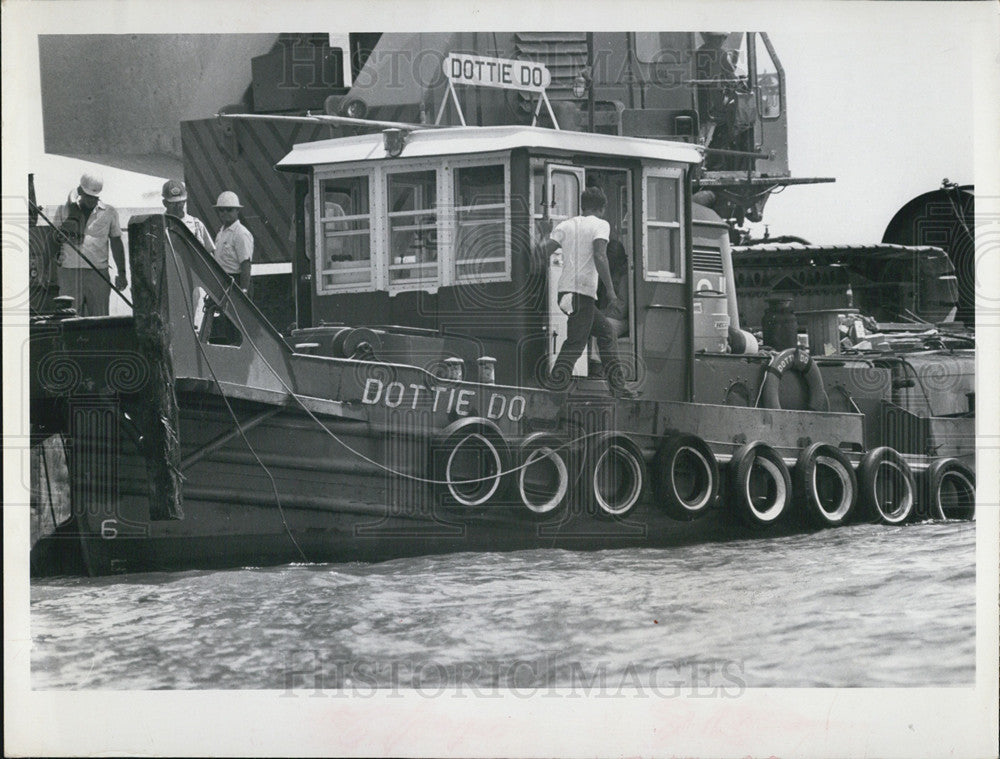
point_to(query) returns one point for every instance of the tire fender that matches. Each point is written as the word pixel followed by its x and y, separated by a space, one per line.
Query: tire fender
pixel 616 474
pixel 878 504
pixel 756 509
pixel 470 435
pixel 685 476
pixel 810 503
pixel 950 490
pixel 537 450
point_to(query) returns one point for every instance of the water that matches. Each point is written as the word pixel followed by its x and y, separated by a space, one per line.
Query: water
pixel 856 606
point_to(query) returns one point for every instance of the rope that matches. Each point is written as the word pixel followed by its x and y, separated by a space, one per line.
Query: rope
pixel 229 408
pixel 760 390
pixel 380 465
pixel 333 436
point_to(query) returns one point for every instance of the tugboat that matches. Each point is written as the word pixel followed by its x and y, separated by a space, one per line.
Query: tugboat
pixel 413 418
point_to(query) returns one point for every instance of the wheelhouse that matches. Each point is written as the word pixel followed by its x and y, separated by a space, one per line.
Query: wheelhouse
pixel 433 233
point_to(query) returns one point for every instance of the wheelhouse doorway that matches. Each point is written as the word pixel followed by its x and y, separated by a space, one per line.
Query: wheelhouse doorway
pixel 556 190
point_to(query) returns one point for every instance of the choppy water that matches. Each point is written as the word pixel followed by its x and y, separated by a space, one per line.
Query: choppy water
pixel 857 606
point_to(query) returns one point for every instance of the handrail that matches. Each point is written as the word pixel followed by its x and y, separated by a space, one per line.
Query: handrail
pixel 311 118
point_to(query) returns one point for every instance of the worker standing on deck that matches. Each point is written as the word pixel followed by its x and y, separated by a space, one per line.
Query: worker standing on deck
pixel 233 243
pixel 584 241
pixel 174 200
pixel 90 227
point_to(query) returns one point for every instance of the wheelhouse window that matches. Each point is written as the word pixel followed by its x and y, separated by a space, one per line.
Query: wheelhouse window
pixel 482 235
pixel 405 225
pixel 413 227
pixel 343 210
pixel 663 258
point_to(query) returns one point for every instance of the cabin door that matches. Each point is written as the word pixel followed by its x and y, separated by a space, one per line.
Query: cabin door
pixel 563 186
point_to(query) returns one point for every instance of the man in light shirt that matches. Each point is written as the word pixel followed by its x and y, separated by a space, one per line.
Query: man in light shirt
pixel 233 243
pixel 89 227
pixel 584 241
pixel 174 201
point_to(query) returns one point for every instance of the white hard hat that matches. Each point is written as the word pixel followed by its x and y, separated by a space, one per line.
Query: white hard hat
pixel 228 199
pixel 91 184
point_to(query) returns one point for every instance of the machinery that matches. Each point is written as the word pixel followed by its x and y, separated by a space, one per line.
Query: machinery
pixel 723 91
pixel 943 218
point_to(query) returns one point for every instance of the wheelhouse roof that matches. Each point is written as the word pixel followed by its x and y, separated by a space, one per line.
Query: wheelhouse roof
pixel 426 143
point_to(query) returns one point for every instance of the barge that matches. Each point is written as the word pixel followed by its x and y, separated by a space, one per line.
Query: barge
pixel 413 417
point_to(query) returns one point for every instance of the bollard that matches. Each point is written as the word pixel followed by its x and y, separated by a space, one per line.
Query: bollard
pixel 487 370
pixel 455 368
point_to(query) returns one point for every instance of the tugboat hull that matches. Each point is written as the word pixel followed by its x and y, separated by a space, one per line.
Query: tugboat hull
pixel 290 490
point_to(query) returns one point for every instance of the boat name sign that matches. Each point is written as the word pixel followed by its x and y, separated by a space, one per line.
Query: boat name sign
pixel 441 398
pixel 505 73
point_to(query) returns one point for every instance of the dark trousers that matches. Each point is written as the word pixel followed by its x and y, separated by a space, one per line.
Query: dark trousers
pixel 223 331
pixel 585 322
pixel 90 291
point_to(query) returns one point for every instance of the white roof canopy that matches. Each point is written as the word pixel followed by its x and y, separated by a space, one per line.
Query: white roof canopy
pixel 424 143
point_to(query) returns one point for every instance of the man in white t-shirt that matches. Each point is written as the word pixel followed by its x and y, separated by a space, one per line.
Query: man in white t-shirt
pixel 584 242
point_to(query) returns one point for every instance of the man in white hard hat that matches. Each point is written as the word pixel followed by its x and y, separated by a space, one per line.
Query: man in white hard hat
pixel 233 243
pixel 90 227
pixel 174 199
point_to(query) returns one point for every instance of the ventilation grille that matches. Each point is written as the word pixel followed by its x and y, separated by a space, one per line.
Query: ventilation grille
pixel 563 53
pixel 707 260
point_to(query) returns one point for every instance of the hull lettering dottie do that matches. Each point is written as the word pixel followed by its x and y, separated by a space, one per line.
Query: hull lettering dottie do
pixel 447 399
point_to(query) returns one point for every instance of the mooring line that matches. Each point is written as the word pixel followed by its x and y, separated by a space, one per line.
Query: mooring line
pixel 225 400
pixel 355 452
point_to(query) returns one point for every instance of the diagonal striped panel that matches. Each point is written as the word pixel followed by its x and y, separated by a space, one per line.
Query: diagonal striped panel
pixel 240 156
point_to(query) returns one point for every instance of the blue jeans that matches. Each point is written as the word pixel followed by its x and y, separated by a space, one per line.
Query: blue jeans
pixel 585 322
